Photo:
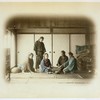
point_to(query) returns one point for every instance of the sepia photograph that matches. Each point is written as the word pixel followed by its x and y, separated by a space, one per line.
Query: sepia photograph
pixel 49 50
pixel 53 48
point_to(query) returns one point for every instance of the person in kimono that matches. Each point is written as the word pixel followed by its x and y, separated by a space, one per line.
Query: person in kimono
pixel 39 49
pixel 29 66
pixel 62 59
pixel 68 66
pixel 45 65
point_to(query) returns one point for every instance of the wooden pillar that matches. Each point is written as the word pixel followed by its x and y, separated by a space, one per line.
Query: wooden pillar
pixel 51 32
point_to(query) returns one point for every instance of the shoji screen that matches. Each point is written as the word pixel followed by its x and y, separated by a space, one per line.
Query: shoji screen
pixel 25 44
pixel 60 42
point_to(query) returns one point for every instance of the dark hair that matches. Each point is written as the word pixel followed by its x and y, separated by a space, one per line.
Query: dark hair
pixel 42 37
pixel 63 52
pixel 31 54
pixel 45 54
pixel 70 53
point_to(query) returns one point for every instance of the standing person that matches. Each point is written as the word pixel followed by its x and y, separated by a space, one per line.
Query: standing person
pixel 62 59
pixel 68 66
pixel 39 49
pixel 45 65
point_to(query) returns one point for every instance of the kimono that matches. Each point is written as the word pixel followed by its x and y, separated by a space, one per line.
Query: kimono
pixel 45 65
pixel 61 60
pixel 29 66
pixel 70 65
pixel 39 49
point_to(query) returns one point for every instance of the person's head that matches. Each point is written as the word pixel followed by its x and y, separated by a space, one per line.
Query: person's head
pixel 31 55
pixel 41 39
pixel 70 54
pixel 62 53
pixel 46 55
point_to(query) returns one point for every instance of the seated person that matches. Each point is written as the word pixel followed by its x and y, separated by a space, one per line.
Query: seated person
pixel 45 65
pixel 68 66
pixel 30 63
pixel 62 59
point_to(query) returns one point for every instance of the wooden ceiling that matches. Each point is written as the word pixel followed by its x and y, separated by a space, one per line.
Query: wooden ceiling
pixel 44 24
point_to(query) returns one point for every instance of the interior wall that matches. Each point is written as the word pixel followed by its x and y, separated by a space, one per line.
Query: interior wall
pixel 10 47
pixel 25 44
pixel 60 42
pixel 7 52
pixel 13 57
pixel 77 40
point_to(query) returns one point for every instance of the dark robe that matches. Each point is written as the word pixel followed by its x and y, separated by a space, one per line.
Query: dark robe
pixel 29 66
pixel 39 49
pixel 47 63
pixel 61 60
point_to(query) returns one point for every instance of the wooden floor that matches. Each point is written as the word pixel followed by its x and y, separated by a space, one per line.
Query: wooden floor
pixel 18 78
